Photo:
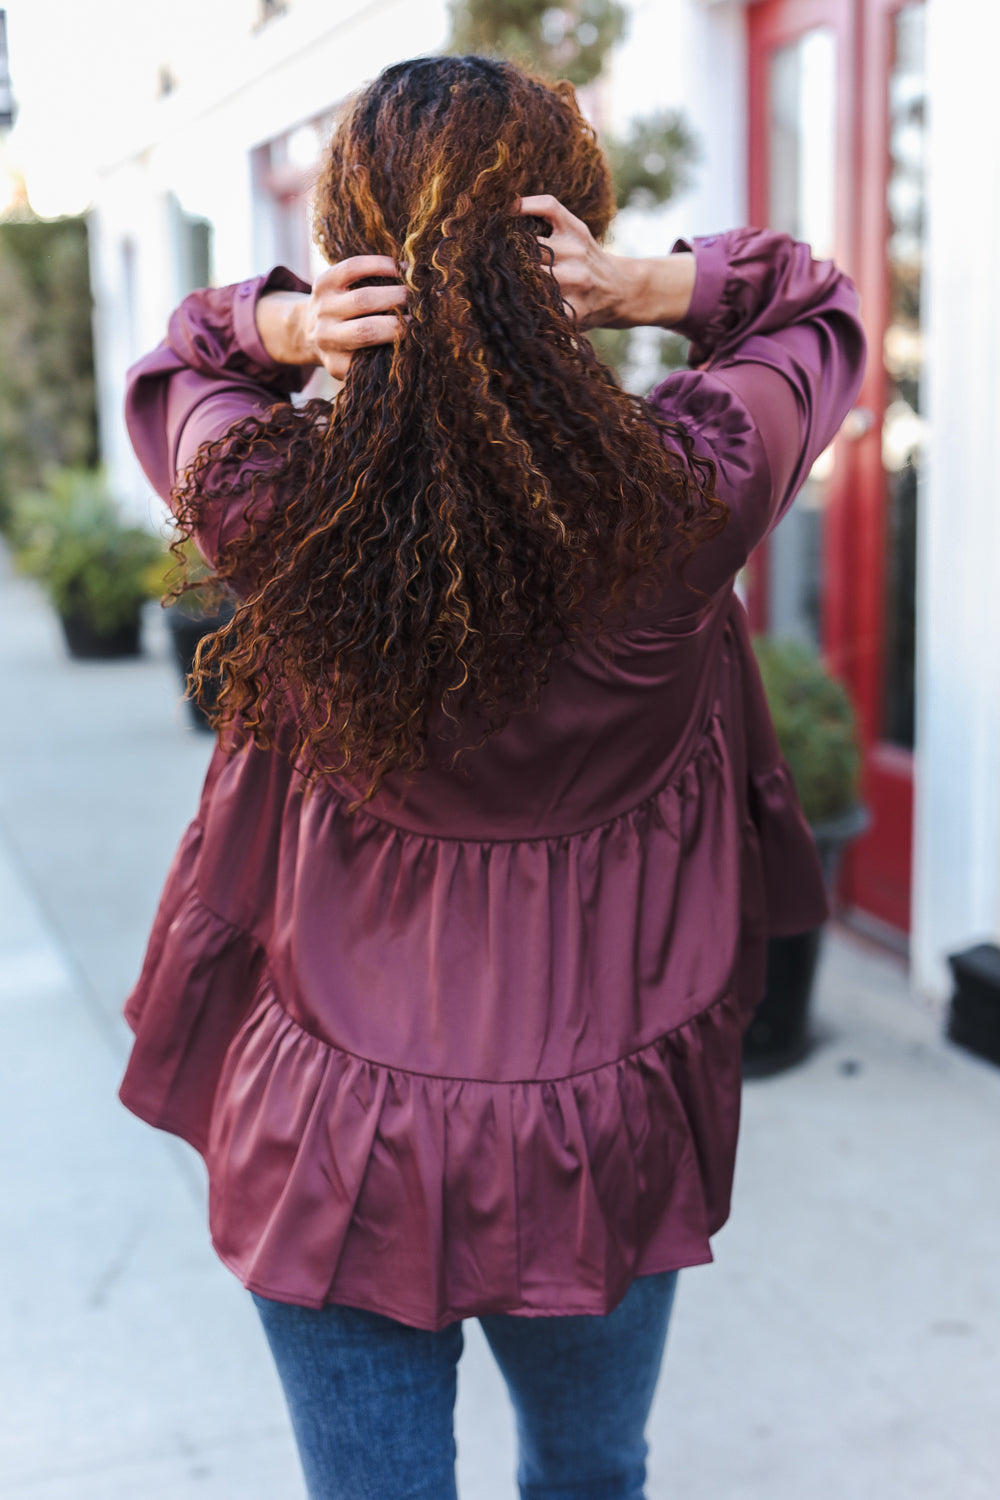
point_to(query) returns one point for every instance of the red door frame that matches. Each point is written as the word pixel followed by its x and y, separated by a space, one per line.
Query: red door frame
pixel 774 23
pixel 876 874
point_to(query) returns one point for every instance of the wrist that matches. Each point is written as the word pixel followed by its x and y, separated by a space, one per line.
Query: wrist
pixel 655 292
pixel 281 323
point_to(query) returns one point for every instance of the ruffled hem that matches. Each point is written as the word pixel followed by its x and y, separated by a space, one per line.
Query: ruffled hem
pixel 583 995
pixel 567 1302
pixel 337 1179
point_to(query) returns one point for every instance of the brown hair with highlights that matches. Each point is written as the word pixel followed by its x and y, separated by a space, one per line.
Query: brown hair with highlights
pixel 480 493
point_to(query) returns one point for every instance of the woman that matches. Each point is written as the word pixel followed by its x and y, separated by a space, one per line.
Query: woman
pixel 450 973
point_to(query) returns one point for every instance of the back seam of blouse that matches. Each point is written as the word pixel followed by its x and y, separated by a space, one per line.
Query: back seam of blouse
pixel 703 744
pixel 273 1002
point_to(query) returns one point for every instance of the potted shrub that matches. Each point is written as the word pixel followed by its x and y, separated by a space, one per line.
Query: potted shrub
pixel 817 732
pixel 97 571
pixel 195 608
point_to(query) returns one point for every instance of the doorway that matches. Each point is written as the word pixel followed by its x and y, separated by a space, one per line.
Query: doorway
pixel 837 122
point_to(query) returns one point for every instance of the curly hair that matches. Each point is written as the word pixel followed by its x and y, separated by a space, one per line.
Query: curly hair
pixel 480 493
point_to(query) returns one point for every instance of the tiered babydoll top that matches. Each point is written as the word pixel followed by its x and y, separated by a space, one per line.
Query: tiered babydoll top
pixel 476 1046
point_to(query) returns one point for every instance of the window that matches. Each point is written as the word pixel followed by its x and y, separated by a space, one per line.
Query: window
pixel 268 10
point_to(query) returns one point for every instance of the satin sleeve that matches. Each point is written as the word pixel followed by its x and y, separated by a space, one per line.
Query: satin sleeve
pixel 776 362
pixel 209 372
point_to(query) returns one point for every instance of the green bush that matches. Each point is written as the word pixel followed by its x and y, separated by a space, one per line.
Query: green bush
pixel 653 162
pixel 189 584
pixel 815 725
pixel 563 42
pixel 70 537
pixel 48 414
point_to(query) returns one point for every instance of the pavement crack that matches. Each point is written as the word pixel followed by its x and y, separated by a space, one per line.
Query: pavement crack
pixel 116 1266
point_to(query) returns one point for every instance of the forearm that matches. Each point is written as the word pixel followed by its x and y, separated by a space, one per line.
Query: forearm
pixel 777 353
pixel 212 341
pixel 281 319
pixel 652 292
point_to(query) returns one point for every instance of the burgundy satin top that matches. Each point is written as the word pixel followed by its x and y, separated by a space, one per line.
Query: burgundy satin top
pixel 476 1047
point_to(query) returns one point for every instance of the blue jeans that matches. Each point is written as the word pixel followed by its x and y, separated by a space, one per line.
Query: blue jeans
pixel 372 1401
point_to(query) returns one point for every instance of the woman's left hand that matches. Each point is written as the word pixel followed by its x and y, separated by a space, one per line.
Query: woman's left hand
pixel 611 291
pixel 593 282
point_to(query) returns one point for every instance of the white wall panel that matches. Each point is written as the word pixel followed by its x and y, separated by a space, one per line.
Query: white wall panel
pixel 957 813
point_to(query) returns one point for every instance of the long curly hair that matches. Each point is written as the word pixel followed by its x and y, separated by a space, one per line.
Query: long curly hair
pixel 480 493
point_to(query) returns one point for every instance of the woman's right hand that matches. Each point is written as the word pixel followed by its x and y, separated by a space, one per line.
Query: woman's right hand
pixel 327 325
pixel 341 317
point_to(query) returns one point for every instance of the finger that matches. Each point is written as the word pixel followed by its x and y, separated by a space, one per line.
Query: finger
pixel 361 302
pixel 337 363
pixel 545 206
pixel 564 247
pixel 358 333
pixel 345 273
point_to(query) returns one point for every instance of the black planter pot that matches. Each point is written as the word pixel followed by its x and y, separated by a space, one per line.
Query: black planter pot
pixel 87 644
pixel 779 1034
pixel 974 1015
pixel 187 629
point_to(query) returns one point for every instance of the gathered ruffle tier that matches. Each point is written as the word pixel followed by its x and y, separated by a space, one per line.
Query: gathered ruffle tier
pixel 376 1182
pixel 337 1179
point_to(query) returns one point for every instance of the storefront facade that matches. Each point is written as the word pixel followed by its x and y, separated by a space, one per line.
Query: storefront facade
pixel 837 122
pixel 867 127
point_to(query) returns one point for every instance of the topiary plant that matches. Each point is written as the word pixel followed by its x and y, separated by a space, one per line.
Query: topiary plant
pixel 47 402
pixel 186 584
pixel 70 537
pixel 648 165
pixel 653 162
pixel 568 41
pixel 816 727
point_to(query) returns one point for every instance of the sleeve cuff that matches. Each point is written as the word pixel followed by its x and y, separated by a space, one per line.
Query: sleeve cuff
pixel 245 300
pixel 706 314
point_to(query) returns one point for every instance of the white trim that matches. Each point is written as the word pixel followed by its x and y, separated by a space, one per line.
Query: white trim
pixel 956 866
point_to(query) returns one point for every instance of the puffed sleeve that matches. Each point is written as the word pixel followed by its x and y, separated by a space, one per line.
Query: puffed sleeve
pixel 209 372
pixel 777 356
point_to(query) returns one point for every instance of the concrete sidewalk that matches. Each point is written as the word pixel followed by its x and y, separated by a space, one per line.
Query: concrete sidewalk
pixel 846 1343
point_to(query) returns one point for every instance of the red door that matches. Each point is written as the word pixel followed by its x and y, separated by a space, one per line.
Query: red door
pixel 836 150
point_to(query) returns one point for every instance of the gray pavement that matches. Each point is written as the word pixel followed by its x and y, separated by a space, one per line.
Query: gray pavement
pixel 845 1344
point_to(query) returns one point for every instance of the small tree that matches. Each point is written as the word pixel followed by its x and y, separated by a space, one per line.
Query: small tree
pixel 568 41
pixel 573 41
pixel 47 399
pixel 653 161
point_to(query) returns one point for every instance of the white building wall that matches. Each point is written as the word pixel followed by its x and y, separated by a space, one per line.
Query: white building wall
pixel 133 276
pixel 688 55
pixel 957 813
pixel 235 90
